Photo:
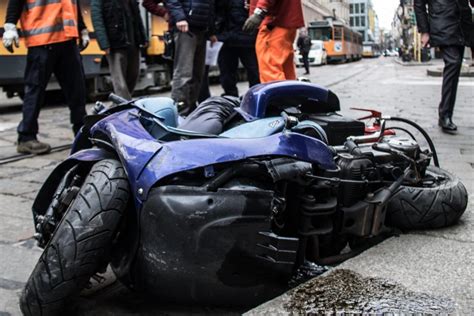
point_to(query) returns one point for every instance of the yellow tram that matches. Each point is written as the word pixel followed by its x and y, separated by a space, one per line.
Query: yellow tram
pixel 342 44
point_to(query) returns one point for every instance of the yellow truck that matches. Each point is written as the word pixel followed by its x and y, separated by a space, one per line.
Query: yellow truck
pixel 154 70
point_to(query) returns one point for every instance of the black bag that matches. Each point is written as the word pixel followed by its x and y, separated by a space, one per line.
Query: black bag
pixel 168 39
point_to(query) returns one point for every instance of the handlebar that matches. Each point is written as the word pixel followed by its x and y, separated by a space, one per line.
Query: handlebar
pixel 117 99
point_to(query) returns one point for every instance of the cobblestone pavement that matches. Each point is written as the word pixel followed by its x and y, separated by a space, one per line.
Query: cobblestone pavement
pixel 437 262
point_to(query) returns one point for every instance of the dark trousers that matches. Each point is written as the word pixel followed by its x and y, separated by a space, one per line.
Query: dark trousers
pixel 189 64
pixel 305 57
pixel 229 63
pixel 64 61
pixel 452 56
pixel 204 92
pixel 124 65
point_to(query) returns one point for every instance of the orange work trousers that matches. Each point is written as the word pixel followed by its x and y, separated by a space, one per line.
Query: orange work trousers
pixel 275 53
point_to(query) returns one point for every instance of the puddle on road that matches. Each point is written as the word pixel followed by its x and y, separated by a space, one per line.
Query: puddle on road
pixel 346 292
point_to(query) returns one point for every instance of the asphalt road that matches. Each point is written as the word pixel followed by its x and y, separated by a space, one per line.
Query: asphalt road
pixel 435 262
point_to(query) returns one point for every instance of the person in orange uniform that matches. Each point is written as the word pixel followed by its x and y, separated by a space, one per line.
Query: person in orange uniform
pixel 50 30
pixel 277 22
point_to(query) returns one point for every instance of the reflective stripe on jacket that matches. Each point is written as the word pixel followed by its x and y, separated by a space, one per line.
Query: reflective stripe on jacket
pixel 46 22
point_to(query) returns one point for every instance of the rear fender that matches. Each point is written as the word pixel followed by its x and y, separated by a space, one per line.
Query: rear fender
pixel 46 193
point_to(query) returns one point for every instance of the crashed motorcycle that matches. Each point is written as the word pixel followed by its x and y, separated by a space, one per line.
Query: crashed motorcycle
pixel 225 206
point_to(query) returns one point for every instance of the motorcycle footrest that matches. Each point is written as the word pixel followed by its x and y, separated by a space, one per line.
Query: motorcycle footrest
pixel 277 249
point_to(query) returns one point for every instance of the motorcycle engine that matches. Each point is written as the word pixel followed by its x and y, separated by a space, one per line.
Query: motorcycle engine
pixel 405 145
pixel 394 153
pixel 354 167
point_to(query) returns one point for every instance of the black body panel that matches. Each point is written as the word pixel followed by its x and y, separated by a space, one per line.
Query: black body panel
pixel 202 246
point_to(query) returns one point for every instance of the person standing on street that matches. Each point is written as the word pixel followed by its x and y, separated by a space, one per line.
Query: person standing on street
pixel 193 24
pixel 238 45
pixel 50 30
pixel 304 45
pixel 448 25
pixel 120 33
pixel 277 22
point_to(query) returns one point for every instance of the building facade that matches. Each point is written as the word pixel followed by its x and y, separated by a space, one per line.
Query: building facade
pixel 339 8
pixel 363 19
pixel 315 10
pixel 374 25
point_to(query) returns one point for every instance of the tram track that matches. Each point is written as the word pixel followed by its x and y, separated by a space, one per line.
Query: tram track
pixel 337 82
pixel 14 158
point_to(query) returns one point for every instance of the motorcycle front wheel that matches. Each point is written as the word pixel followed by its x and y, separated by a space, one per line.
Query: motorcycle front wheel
pixel 440 202
pixel 80 245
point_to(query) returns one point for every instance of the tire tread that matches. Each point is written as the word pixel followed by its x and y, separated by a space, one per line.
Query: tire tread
pixel 427 208
pixel 72 255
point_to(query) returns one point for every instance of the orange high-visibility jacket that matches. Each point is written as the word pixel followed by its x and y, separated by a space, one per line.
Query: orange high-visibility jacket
pixel 46 22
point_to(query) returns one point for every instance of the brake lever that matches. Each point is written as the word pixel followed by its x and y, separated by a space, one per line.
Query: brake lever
pixel 373 114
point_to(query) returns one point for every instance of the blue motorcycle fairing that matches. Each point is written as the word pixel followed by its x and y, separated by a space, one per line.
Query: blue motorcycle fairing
pixel 45 194
pixel 147 161
pixel 186 155
pixel 314 98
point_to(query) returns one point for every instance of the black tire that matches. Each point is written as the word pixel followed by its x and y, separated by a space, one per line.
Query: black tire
pixel 81 244
pixel 435 206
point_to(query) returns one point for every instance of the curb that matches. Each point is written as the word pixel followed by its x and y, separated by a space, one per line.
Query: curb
pixel 439 73
pixel 412 64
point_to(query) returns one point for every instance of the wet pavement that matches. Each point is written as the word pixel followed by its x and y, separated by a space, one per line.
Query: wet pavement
pixel 435 264
pixel 345 291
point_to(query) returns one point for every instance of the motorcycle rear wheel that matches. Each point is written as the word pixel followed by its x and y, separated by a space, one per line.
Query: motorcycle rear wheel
pixel 434 205
pixel 81 244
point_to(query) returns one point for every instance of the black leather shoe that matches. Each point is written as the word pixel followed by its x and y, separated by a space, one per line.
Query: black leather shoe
pixel 447 124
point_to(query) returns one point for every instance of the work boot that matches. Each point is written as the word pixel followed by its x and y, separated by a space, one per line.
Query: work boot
pixel 447 124
pixel 33 147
